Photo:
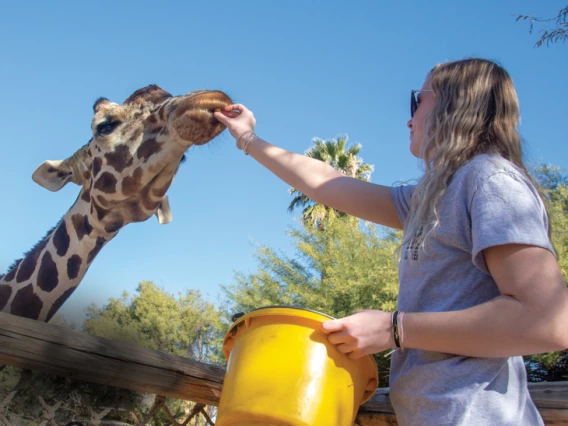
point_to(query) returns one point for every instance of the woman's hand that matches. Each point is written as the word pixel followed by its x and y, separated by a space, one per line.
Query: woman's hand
pixel 238 119
pixel 363 333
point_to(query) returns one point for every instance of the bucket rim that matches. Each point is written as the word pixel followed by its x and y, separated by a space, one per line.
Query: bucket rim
pixel 241 315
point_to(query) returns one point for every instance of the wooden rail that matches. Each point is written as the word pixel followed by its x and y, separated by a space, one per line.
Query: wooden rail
pixel 64 352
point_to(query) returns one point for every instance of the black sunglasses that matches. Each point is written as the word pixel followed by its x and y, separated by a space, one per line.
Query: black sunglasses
pixel 414 100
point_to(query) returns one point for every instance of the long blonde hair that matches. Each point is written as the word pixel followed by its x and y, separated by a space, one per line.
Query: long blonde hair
pixel 476 111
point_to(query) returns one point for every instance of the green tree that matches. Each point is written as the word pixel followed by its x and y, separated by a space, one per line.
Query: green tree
pixel 344 159
pixel 358 263
pixel 549 35
pixel 553 183
pixel 186 326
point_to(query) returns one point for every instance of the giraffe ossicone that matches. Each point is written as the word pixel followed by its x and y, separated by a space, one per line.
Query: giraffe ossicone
pixel 123 172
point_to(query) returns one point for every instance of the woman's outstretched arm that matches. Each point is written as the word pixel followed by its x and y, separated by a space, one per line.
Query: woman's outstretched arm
pixel 314 178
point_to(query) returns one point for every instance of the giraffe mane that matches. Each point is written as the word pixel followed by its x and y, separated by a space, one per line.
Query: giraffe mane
pixel 36 245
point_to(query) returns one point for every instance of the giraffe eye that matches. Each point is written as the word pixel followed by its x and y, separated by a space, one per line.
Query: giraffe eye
pixel 107 127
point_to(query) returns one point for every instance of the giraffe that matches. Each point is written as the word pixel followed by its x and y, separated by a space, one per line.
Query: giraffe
pixel 123 172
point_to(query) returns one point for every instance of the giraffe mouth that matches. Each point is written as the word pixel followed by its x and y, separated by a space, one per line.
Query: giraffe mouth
pixel 211 112
pixel 194 119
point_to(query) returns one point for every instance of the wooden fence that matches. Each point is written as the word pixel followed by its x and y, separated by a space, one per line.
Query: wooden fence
pixel 64 352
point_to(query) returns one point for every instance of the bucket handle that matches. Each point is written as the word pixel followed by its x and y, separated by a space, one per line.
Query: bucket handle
pixel 236 327
pixel 237 316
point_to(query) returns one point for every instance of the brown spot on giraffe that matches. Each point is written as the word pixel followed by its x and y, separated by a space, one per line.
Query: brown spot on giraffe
pixel 12 272
pixel 5 293
pixel 98 246
pixel 97 165
pixel 152 124
pixel 59 302
pixel 114 226
pixel 26 303
pixel 86 196
pixel 74 266
pixel 148 148
pixel 151 120
pixel 81 225
pixel 48 276
pixel 61 239
pixel 106 183
pixel 132 184
pixel 120 158
pixel 101 214
pixel 28 265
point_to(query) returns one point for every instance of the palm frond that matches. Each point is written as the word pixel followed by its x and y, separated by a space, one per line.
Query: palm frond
pixel 336 153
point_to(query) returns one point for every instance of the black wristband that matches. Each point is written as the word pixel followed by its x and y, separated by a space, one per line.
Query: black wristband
pixel 395 334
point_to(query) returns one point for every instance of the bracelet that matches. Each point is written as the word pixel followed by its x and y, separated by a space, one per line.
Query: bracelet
pixel 401 333
pixel 247 136
pixel 395 332
pixel 242 136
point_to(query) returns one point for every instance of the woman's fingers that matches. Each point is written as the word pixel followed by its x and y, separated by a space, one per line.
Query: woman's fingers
pixel 344 348
pixel 236 107
pixel 340 337
pixel 224 119
pixel 332 326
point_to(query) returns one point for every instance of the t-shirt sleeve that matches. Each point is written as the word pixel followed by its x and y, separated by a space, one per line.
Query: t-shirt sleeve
pixel 506 209
pixel 401 196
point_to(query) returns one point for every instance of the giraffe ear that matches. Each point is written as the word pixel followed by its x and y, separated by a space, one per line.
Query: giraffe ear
pixel 53 175
pixel 164 213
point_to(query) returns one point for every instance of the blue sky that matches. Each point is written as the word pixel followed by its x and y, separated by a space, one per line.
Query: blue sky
pixel 305 68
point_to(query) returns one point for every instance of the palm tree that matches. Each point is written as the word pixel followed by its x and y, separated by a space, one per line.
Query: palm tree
pixel 334 153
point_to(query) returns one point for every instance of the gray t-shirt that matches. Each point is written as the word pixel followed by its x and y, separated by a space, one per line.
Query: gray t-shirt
pixel 489 202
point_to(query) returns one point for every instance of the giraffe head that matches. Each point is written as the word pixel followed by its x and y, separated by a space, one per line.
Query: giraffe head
pixel 134 154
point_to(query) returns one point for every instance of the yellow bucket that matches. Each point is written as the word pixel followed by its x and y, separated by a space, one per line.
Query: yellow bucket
pixel 282 371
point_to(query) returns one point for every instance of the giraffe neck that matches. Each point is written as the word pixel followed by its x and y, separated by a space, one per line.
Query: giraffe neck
pixel 37 285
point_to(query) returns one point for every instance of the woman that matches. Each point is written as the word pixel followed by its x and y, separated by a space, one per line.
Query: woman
pixel 479 282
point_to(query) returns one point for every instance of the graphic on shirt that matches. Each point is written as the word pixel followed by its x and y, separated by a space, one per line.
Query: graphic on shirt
pixel 412 248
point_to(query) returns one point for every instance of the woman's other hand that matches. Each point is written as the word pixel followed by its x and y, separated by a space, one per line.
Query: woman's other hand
pixel 363 333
